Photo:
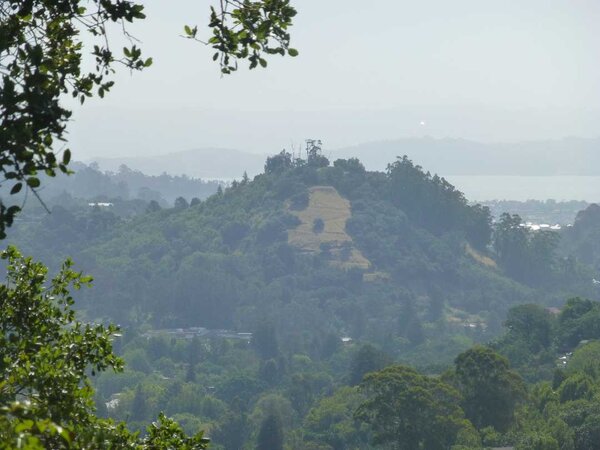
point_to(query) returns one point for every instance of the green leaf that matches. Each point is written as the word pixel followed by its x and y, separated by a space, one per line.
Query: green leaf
pixel 292 52
pixel 16 188
pixel 33 182
pixel 24 425
pixel 66 156
pixel 188 30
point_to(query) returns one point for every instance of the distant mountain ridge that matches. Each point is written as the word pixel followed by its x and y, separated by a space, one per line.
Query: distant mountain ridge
pixel 206 163
pixel 568 156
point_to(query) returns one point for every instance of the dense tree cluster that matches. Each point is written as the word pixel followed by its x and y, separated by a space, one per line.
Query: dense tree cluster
pixel 535 335
pixel 435 204
pixel 525 254
pixel 583 238
pixel 408 411
pixel 478 402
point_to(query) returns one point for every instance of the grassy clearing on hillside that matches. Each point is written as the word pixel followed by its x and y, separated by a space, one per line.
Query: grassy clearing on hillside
pixel 327 204
pixel 482 259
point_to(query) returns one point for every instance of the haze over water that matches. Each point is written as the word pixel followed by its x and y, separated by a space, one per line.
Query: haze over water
pixel 499 187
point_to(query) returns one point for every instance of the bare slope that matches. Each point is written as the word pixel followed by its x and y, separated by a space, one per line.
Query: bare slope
pixel 327 204
pixel 480 258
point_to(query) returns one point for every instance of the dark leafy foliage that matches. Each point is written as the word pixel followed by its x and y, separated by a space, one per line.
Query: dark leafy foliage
pixel 248 30
pixel 46 354
pixel 40 62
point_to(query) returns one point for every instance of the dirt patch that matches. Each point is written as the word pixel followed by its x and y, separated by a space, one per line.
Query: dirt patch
pixel 482 259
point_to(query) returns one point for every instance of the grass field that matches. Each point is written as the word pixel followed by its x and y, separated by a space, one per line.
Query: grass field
pixel 327 204
pixel 482 259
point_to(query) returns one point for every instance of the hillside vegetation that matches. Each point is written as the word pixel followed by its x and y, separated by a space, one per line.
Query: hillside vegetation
pixel 395 253
pixel 262 310
pixel 583 238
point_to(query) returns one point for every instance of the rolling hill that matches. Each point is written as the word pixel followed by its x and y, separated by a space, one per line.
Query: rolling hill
pixel 398 258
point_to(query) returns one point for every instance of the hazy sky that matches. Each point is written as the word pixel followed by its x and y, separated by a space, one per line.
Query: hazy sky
pixel 498 70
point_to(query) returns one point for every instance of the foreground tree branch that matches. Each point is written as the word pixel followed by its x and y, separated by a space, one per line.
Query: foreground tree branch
pixel 41 53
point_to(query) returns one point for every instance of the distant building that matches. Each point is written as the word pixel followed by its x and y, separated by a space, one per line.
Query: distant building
pixel 542 226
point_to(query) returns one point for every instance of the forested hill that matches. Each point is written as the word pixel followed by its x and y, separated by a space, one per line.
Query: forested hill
pixel 396 258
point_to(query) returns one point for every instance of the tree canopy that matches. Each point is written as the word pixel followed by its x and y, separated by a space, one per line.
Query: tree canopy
pixel 407 410
pixel 491 391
